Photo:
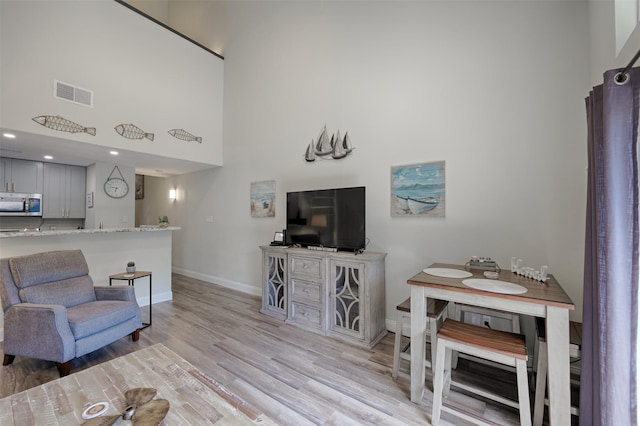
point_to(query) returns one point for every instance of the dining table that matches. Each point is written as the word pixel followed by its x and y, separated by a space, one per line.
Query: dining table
pixel 512 293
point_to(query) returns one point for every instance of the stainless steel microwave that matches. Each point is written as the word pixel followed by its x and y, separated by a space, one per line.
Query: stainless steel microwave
pixel 15 204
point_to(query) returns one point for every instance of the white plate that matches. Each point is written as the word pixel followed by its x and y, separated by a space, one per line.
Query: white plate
pixel 94 410
pixel 448 272
pixel 494 286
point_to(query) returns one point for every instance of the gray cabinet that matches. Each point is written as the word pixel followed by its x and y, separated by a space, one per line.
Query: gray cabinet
pixel 21 176
pixel 341 295
pixel 64 191
pixel 274 283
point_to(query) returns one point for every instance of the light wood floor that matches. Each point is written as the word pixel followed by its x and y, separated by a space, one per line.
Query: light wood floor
pixel 295 377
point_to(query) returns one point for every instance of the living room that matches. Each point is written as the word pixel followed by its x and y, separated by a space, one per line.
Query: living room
pixel 494 89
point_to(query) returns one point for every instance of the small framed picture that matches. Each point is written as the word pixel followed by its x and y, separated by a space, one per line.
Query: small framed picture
pixel 278 237
pixel 139 187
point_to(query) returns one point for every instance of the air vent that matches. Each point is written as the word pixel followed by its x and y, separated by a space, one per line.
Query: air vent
pixel 75 94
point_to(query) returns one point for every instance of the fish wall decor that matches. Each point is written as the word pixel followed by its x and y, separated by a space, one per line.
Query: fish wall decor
pixel 184 135
pixel 55 122
pixel 131 131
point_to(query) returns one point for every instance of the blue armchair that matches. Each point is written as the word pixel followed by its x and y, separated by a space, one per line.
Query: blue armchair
pixel 52 310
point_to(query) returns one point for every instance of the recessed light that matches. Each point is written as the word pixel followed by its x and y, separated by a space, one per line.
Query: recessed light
pixel 48 157
pixel 9 135
pixel 113 152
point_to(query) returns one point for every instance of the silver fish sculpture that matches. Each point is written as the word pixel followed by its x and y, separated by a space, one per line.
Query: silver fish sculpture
pixel 184 135
pixel 56 122
pixel 131 131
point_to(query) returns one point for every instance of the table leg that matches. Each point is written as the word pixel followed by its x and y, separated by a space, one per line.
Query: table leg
pixel 559 366
pixel 418 330
pixel 150 301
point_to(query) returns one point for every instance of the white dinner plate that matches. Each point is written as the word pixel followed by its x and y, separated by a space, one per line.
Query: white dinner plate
pixel 494 286
pixel 448 272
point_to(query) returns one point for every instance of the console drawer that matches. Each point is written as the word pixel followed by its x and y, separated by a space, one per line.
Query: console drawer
pixel 306 290
pixel 305 266
pixel 305 315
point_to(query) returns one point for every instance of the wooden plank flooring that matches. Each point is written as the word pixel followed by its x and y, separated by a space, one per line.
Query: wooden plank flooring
pixel 295 377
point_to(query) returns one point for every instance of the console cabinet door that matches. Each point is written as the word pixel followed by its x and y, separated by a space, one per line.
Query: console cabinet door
pixel 346 298
pixel 274 284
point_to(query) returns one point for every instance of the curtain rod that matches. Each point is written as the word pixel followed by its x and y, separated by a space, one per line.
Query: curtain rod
pixel 622 77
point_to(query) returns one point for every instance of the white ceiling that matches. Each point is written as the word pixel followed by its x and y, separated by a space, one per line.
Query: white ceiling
pixel 31 146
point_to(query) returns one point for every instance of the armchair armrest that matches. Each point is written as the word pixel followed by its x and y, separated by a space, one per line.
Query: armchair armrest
pixel 121 292
pixel 38 331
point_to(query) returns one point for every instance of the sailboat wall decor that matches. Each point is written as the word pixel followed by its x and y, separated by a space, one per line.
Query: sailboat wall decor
pixel 326 148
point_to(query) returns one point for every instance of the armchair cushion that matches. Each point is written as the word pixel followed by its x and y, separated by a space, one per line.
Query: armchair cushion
pixel 47 267
pixel 68 293
pixel 56 278
pixel 93 317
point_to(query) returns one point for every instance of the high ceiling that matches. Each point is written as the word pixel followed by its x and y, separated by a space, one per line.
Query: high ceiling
pixel 31 146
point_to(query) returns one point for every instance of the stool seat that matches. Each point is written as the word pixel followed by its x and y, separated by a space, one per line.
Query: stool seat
pixel 436 310
pixel 434 307
pixel 497 346
pixel 463 308
pixel 509 344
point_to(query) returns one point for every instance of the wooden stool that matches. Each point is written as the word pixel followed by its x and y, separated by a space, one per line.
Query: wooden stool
pixel 435 313
pixel 575 343
pixel 462 308
pixel 498 346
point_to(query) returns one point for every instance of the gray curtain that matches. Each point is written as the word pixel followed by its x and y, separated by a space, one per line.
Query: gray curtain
pixel 610 305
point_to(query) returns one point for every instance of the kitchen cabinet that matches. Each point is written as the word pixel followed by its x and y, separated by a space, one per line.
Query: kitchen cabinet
pixel 21 176
pixel 64 191
pixel 336 294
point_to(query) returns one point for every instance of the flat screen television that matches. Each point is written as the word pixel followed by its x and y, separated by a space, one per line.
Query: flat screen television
pixel 329 218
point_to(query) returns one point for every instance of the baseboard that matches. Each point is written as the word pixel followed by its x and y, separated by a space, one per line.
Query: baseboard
pixel 244 288
pixel 157 298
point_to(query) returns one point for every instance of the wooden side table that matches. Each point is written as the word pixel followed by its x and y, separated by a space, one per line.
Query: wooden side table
pixel 130 277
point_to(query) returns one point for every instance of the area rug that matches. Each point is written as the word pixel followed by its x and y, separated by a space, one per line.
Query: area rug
pixel 194 397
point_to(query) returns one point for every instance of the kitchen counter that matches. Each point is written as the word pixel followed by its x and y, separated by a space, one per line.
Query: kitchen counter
pixel 58 232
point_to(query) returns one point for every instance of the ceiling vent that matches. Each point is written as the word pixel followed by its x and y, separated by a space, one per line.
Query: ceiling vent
pixel 68 92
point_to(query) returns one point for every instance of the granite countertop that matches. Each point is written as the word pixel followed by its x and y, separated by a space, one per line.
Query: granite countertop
pixel 46 233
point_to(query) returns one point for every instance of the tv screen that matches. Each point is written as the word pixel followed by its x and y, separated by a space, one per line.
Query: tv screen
pixel 332 218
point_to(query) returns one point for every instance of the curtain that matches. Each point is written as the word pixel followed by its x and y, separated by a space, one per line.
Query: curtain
pixel 608 394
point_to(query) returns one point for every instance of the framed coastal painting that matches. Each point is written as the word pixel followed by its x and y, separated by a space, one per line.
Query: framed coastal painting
pixel 418 190
pixel 263 198
pixel 139 187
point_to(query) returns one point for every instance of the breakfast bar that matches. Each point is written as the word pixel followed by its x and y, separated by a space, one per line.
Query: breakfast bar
pixel 106 251
pixel 545 300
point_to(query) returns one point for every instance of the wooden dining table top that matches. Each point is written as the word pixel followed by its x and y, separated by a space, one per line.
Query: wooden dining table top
pixel 548 293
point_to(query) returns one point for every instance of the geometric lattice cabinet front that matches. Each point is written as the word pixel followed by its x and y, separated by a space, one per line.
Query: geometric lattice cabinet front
pixel 274 283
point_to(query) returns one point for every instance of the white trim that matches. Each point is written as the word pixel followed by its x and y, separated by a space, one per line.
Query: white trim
pixel 234 285
pixel 157 298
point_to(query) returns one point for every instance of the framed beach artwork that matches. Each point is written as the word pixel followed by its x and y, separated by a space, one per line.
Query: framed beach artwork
pixel 139 187
pixel 263 199
pixel 418 190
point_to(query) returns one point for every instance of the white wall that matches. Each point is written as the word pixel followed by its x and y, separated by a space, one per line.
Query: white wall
pixel 139 73
pixel 495 89
pixel 111 212
pixel 604 50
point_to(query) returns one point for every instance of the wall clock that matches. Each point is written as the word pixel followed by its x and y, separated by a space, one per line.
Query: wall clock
pixel 116 187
